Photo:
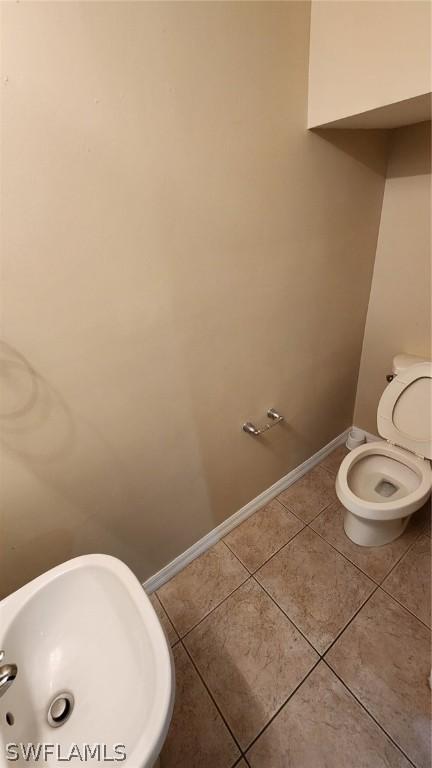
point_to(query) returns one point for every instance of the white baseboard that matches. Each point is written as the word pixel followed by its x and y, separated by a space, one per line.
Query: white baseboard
pixel 211 538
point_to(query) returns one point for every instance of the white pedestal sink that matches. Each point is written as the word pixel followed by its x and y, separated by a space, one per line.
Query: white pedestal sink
pixel 85 632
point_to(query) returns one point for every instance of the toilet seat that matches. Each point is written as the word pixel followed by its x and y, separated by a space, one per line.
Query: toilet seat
pixel 385 510
pixel 404 412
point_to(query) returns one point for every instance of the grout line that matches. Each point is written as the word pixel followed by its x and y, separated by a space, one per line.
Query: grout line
pixel 294 691
pixel 295 513
pixel 378 583
pixel 329 471
pixel 171 569
pixel 369 713
pixel 411 546
pixel 212 698
pixel 341 553
pixel 389 594
pixel 246 749
pixel 286 504
pixel 270 556
pixel 286 615
pixel 251 574
pixel 156 597
pixel 237 556
pixel 398 561
pixel 253 577
pixel 401 558
pixel 378 586
pixel 182 637
pixel 321 655
pixel 350 621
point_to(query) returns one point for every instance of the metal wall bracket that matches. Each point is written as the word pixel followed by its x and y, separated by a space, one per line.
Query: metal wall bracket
pixel 251 429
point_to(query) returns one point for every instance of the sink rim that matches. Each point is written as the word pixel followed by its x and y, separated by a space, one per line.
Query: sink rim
pixel 146 750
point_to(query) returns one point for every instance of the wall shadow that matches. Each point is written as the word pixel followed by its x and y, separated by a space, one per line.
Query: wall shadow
pixel 85 501
pixel 370 147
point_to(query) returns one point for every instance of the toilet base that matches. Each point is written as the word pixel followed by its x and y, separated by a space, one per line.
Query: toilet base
pixel 373 533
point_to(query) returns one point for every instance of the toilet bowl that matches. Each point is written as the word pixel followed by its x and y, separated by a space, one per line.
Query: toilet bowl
pixel 381 484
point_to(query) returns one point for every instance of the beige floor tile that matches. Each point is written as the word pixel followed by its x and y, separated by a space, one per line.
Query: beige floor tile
pixel 410 581
pixel 375 561
pixel 333 461
pixel 201 586
pixel 251 657
pixel 317 587
pixel 262 534
pixel 310 495
pixel 323 726
pixel 169 630
pixel 384 658
pixel 197 736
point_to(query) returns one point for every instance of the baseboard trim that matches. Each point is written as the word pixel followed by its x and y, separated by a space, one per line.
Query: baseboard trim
pixel 168 571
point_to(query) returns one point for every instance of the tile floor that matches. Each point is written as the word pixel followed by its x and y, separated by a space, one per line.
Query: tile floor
pixel 295 648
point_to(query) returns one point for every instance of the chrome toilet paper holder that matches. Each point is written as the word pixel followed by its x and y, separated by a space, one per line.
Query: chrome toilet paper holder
pixel 255 431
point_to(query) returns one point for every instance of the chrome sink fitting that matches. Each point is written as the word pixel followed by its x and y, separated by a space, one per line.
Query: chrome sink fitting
pixel 8 673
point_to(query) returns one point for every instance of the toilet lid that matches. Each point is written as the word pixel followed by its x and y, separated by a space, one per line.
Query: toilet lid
pixel 405 410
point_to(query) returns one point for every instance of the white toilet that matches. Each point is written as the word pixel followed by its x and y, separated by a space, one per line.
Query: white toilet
pixel 382 483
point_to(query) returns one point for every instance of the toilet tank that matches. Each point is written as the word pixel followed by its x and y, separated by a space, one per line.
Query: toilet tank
pixel 401 362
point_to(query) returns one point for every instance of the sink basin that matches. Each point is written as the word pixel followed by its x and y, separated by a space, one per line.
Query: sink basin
pixel 87 633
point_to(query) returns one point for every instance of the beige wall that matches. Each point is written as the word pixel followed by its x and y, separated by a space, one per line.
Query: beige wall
pixel 179 255
pixel 399 314
pixel 365 54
